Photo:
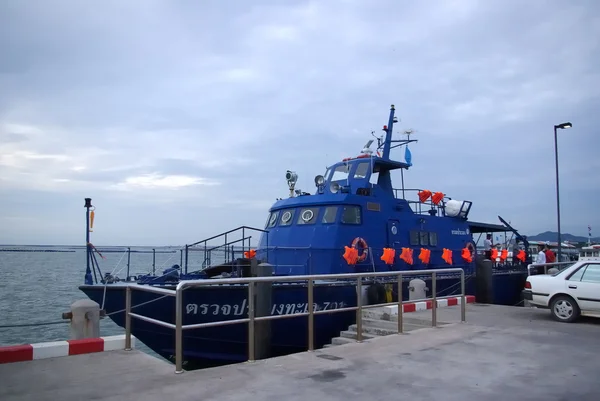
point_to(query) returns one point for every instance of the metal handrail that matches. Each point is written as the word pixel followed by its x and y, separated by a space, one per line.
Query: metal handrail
pixel 252 318
pixel 546 266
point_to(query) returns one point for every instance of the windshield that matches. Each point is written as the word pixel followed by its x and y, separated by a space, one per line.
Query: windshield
pixel 340 173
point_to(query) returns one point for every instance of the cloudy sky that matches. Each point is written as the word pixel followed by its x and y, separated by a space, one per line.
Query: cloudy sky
pixel 180 118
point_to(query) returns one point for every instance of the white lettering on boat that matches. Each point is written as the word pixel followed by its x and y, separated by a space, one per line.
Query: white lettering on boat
pixel 277 309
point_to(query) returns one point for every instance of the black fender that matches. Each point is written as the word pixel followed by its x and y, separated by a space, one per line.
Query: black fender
pixel 376 294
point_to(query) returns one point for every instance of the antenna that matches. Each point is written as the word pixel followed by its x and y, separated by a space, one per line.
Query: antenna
pixel 379 139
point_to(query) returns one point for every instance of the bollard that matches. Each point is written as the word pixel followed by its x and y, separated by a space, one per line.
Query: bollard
pixel 85 319
pixel 417 289
pixel 484 291
pixel 262 304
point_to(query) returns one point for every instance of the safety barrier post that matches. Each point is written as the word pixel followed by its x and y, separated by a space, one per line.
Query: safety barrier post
pixel 359 309
pixel 400 307
pixel 311 316
pixel 128 318
pixel 179 330
pixel 433 300
pixel 251 314
pixel 463 299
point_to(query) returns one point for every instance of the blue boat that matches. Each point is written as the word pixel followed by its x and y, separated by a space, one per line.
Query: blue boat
pixel 352 219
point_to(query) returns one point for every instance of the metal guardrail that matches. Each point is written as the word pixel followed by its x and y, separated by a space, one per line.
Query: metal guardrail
pixel 252 318
pixel 546 266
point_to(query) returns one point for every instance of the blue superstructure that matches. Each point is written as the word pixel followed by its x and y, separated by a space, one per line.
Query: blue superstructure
pixel 353 206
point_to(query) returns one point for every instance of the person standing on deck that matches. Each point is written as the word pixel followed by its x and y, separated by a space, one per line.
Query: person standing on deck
pixel 487 246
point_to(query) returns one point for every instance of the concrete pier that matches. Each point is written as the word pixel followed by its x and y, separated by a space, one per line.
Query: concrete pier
pixel 500 353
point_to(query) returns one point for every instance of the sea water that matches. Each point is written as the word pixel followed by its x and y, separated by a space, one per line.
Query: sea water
pixel 37 287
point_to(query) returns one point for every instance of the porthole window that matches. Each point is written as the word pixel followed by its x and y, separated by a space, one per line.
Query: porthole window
pixel 308 215
pixel 273 219
pixel 286 218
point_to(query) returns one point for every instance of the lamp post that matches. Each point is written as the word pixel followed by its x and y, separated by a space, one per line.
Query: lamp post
pixel 556 128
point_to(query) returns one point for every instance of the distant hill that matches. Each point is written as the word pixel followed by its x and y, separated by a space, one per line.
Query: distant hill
pixel 553 236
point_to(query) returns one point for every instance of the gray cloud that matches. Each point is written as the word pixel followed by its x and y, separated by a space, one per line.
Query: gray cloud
pixel 179 112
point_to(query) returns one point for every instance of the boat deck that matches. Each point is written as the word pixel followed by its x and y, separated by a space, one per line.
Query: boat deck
pixel 501 352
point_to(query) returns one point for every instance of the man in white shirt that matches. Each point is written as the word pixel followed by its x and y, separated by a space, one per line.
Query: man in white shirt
pixel 487 246
pixel 541 257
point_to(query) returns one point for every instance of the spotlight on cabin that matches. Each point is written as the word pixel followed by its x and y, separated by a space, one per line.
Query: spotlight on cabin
pixel 334 188
pixel 291 177
pixel 319 180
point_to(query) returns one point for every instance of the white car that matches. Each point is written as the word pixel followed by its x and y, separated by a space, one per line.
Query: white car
pixel 572 292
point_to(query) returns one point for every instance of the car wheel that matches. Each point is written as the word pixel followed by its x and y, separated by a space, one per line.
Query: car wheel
pixel 564 309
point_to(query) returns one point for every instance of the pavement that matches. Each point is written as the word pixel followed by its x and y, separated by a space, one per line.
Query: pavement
pixel 500 353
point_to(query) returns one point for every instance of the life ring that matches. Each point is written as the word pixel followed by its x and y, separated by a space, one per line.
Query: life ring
pixel 471 247
pixel 365 248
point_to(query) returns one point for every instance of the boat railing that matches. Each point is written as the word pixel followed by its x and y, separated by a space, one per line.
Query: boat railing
pixel 230 239
pixel 310 280
pixel 542 268
pixel 416 205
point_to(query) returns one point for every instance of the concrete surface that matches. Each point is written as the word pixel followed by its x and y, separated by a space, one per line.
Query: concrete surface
pixel 500 353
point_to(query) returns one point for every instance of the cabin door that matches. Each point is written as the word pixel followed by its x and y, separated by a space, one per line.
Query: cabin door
pixel 393 233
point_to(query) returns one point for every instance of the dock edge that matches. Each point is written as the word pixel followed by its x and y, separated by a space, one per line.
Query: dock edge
pixel 54 349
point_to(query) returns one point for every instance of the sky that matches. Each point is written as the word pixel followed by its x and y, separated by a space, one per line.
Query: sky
pixel 180 118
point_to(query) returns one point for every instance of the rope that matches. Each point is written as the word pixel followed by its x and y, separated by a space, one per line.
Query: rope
pixel 135 306
pixel 8 326
pixel 111 273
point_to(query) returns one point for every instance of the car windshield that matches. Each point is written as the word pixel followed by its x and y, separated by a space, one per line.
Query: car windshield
pixel 562 268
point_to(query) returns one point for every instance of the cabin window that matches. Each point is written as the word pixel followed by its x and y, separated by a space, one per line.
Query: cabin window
pixel 287 217
pixel 351 215
pixel 329 215
pixel 340 173
pixel 414 238
pixel 273 219
pixel 362 170
pixel 433 239
pixel 268 220
pixel 374 207
pixel 308 215
pixel 424 238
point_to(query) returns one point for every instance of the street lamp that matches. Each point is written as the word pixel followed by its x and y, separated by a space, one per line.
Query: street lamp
pixel 557 127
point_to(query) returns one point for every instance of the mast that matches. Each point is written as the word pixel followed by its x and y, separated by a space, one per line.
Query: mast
pixel 387 145
pixel 88 271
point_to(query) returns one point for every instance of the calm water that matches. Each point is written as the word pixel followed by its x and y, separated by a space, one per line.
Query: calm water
pixel 40 286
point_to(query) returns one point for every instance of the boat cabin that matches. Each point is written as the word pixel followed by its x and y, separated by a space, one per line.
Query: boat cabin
pixel 355 205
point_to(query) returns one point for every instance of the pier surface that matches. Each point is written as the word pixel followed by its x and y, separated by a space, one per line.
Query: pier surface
pixel 500 353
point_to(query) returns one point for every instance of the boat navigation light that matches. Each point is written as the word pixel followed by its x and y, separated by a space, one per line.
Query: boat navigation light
pixel 319 180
